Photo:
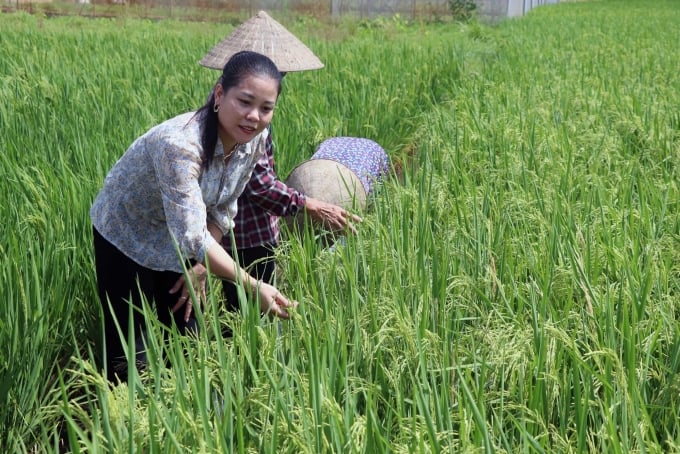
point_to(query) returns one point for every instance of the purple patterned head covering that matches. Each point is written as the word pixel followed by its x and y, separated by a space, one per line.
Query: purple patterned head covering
pixel 364 157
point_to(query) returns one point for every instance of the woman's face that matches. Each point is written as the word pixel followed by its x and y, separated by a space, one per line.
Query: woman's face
pixel 245 109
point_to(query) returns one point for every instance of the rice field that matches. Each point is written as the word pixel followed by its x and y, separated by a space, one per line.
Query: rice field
pixel 515 286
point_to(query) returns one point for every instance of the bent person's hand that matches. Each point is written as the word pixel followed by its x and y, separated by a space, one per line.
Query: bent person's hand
pixel 272 302
pixel 331 216
pixel 198 274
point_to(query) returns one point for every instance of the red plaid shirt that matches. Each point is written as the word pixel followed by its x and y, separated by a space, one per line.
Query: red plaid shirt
pixel 264 199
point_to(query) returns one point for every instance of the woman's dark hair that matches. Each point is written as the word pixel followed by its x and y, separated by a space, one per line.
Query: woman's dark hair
pixel 241 65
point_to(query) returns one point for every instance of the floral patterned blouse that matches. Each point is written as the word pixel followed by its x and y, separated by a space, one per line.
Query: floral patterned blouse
pixel 158 191
pixel 364 157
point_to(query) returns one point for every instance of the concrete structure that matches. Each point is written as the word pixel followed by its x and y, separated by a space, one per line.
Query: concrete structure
pixel 508 8
pixel 407 8
pixel 25 2
pixel 495 9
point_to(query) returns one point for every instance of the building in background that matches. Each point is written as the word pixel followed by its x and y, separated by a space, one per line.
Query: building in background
pixel 363 9
pixel 508 8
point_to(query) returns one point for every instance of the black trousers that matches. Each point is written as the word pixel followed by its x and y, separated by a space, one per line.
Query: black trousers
pixel 259 262
pixel 122 283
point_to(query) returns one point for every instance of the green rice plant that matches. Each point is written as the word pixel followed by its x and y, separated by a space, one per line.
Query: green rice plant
pixel 514 286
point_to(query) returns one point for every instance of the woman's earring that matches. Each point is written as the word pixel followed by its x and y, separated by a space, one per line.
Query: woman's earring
pixel 216 107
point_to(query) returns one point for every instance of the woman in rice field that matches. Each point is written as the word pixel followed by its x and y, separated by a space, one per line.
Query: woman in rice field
pixel 266 198
pixel 169 200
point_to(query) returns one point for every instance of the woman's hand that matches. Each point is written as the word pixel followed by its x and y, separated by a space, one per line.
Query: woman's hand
pixel 198 274
pixel 332 216
pixel 273 302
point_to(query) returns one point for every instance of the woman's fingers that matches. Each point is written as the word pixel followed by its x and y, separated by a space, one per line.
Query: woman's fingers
pixel 347 220
pixel 277 304
pixel 330 215
pixel 187 311
pixel 178 285
pixel 184 300
pixel 355 218
pixel 284 302
pixel 198 276
pixel 181 301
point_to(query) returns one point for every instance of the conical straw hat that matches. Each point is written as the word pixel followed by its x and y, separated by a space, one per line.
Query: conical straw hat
pixel 328 181
pixel 264 35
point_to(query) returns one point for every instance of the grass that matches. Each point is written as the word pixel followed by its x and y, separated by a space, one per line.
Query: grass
pixel 515 290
